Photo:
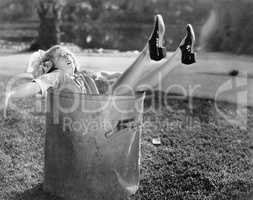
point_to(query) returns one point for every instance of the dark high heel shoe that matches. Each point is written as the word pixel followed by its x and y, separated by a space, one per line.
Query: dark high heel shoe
pixel 187 47
pixel 156 49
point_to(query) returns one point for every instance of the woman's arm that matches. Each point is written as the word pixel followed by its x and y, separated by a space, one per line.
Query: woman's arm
pixel 37 86
pixel 27 75
pixel 25 90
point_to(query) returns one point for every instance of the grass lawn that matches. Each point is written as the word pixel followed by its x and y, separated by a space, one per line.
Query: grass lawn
pixel 202 155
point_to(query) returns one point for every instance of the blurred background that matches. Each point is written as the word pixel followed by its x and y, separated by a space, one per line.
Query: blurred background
pixel 221 25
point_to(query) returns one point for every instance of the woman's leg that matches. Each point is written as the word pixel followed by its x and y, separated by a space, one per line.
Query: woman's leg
pixel 184 54
pixel 152 56
pixel 151 77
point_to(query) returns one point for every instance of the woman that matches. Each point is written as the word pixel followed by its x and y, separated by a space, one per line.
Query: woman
pixel 58 67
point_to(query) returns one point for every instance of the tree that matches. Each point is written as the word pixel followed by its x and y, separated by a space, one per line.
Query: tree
pixel 50 15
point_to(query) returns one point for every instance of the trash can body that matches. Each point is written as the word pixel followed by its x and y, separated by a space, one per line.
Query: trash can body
pixel 92 146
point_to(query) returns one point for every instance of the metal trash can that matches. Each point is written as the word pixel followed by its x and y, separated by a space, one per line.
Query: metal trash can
pixel 92 149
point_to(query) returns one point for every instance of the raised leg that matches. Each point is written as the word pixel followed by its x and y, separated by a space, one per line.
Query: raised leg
pixel 152 56
pixel 146 73
pixel 184 54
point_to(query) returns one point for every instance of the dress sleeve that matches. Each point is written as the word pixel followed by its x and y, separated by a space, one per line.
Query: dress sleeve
pixel 53 79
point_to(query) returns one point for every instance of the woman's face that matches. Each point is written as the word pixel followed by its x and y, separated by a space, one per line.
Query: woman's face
pixel 65 62
pixel 58 58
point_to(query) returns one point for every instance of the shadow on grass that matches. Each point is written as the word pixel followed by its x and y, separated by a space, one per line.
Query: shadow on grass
pixel 36 193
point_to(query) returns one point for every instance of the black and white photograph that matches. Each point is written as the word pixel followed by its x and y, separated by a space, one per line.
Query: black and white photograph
pixel 126 99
